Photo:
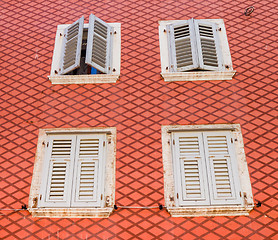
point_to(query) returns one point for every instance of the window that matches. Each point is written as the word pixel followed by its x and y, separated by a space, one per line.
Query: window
pixel 74 173
pixel 194 50
pixel 86 53
pixel 205 171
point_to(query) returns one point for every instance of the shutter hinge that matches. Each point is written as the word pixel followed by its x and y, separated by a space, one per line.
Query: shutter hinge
pixel 47 144
pixel 101 196
pixel 103 143
pixel 232 141
pixel 177 195
pixel 40 197
pixel 173 141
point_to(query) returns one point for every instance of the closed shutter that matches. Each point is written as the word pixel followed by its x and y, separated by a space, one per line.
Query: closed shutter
pixel 190 169
pixel 222 168
pixel 99 45
pixel 72 44
pixel 57 179
pixel 182 46
pixel 88 178
pixel 208 45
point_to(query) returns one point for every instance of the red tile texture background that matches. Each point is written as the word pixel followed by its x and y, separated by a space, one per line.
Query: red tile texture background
pixel 138 104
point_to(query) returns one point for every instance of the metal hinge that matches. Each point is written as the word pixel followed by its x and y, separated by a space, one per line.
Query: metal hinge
pixel 232 141
pixel 103 143
pixel 47 144
pixel 173 141
pixel 177 195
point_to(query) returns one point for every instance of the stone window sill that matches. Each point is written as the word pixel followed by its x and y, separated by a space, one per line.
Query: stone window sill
pixel 84 79
pixel 197 76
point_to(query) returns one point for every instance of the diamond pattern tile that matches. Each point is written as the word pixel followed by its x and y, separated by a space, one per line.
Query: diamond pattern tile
pixel 138 104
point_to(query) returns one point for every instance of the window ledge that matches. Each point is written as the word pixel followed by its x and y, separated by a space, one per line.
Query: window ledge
pixel 84 79
pixel 71 212
pixel 197 76
pixel 209 211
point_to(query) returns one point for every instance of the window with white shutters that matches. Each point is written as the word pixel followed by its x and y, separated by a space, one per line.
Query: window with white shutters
pixel 194 44
pixel 194 49
pixel 74 171
pixel 86 52
pixel 94 49
pixel 205 171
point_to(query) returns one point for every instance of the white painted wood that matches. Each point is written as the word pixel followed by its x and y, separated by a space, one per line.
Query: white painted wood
pixel 222 168
pixel 225 72
pixel 190 169
pixel 88 176
pixel 208 46
pixel 58 171
pixel 182 46
pixel 99 44
pixel 71 48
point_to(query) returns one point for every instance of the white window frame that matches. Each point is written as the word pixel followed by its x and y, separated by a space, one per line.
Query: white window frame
pixel 55 78
pixel 171 188
pixel 226 74
pixel 102 209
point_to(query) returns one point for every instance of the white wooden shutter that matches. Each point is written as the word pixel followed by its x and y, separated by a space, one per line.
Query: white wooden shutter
pixel 190 174
pixel 222 168
pixel 72 44
pixel 208 45
pixel 182 46
pixel 99 44
pixel 58 168
pixel 88 177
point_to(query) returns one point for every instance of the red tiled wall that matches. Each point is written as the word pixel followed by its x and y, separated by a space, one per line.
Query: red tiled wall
pixel 138 104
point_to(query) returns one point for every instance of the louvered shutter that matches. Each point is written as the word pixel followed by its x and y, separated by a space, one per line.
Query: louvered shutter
pixel 99 44
pixel 208 45
pixel 182 46
pixel 72 44
pixel 189 163
pixel 88 177
pixel 222 168
pixel 58 171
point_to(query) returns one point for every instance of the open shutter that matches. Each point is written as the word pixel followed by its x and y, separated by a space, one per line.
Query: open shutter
pixel 72 44
pixel 190 169
pixel 56 184
pixel 87 188
pixel 208 45
pixel 99 44
pixel 222 168
pixel 182 46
